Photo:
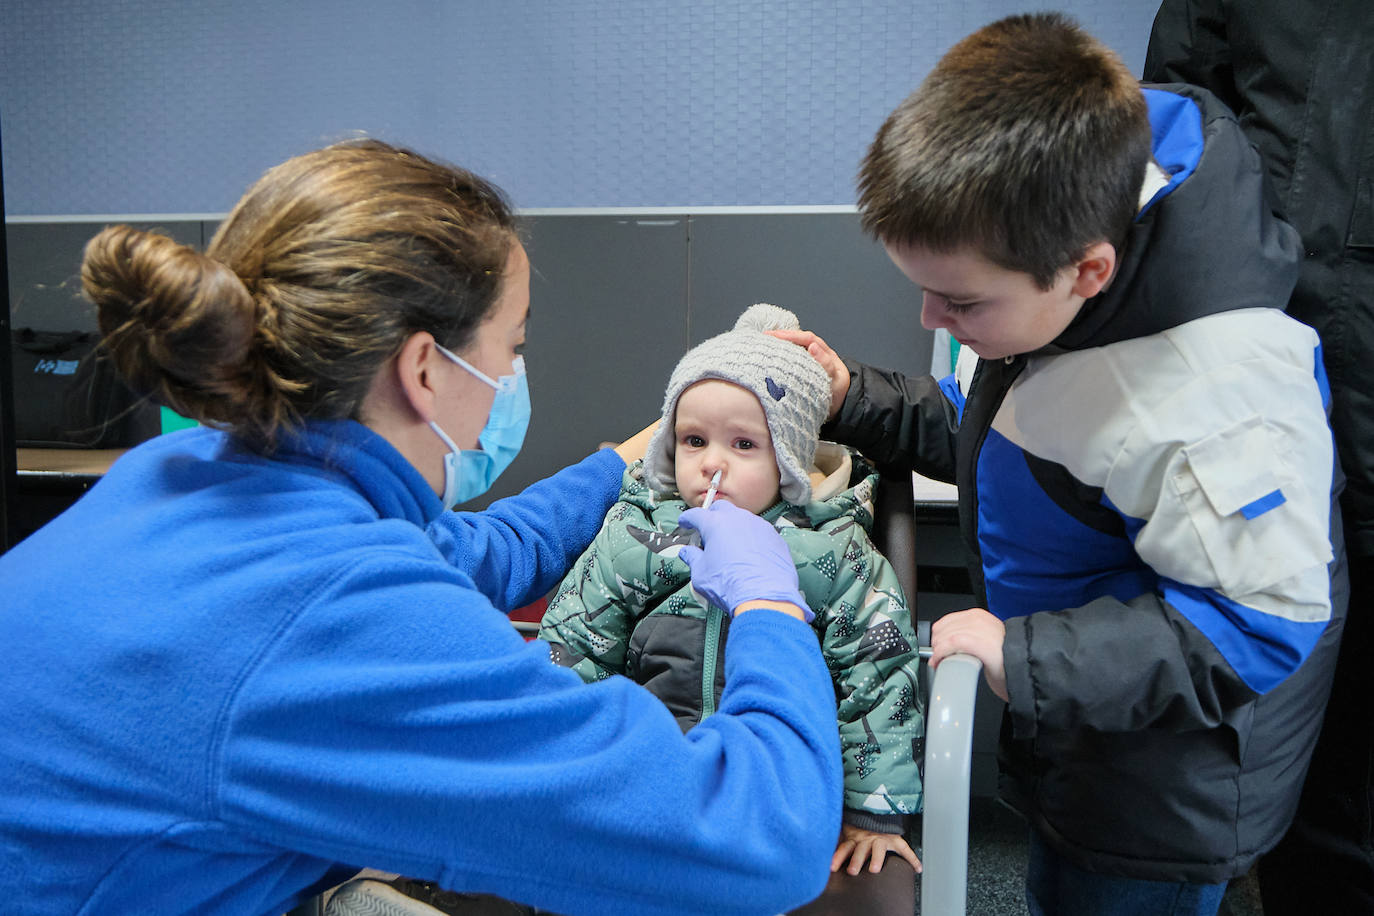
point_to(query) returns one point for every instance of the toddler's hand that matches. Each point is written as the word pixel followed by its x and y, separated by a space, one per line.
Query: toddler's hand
pixel 859 846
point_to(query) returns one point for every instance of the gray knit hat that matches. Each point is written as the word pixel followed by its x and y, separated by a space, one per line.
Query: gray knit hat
pixel 792 387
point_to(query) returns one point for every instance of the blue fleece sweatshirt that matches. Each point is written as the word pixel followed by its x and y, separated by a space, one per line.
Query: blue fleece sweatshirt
pixel 231 678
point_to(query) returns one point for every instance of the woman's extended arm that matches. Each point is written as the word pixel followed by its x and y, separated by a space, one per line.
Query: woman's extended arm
pixel 466 758
pixel 520 546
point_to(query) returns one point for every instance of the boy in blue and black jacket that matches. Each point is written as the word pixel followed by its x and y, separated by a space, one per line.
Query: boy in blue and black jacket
pixel 1139 436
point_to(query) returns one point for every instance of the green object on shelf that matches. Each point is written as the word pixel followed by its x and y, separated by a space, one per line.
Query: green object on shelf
pixel 173 421
pixel 953 354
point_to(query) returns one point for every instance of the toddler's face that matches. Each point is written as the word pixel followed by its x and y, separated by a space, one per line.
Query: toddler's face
pixel 993 311
pixel 721 426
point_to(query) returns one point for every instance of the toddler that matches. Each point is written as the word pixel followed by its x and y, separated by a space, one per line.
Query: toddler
pixel 748 407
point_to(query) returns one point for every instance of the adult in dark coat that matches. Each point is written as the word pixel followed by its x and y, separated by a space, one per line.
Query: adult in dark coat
pixel 1300 76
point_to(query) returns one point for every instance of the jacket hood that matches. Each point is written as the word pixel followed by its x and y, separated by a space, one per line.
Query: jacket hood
pixel 1217 194
pixel 842 486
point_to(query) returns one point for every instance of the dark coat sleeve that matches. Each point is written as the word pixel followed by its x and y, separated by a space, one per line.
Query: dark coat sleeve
pixel 897 421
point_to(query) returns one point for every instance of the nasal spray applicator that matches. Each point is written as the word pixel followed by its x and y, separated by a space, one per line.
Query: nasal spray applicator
pixel 711 490
pixel 706 504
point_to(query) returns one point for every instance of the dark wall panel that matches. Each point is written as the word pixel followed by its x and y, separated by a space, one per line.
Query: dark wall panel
pixel 838 281
pixel 45 270
pixel 608 304
pixel 615 302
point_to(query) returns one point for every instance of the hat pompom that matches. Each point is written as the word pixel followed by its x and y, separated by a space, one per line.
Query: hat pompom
pixel 762 316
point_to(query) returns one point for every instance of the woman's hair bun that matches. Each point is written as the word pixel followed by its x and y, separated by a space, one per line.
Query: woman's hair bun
pixel 178 325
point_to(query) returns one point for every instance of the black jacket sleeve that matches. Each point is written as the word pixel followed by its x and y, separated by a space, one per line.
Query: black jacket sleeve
pixel 897 421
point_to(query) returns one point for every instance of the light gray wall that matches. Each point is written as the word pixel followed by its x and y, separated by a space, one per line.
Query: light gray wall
pixel 169 106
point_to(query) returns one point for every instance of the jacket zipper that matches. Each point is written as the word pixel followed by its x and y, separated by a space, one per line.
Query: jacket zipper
pixel 715 621
pixel 714 617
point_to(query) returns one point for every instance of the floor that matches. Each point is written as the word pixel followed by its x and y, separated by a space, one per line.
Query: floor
pixel 996 860
pixel 997 867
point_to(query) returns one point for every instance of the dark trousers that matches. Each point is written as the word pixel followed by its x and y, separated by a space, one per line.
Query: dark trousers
pixel 1325 863
pixel 1056 887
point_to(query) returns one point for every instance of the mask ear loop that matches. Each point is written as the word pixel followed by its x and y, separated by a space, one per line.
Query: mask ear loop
pixel 452 446
pixel 452 461
pixel 471 368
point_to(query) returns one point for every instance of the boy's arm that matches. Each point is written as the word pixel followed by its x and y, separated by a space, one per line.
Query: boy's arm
pixel 589 620
pixel 871 649
pixel 1189 44
pixel 900 420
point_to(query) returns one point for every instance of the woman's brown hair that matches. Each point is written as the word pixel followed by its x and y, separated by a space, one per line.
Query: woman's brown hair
pixel 328 264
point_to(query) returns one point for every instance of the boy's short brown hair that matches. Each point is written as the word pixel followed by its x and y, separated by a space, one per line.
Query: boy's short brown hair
pixel 1028 143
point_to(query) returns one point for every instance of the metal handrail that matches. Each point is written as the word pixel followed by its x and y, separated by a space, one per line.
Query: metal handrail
pixel 949 760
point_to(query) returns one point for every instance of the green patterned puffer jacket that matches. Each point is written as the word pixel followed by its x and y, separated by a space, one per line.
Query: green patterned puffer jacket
pixel 627 608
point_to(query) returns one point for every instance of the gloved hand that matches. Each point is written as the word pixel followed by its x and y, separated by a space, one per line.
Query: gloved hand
pixel 742 558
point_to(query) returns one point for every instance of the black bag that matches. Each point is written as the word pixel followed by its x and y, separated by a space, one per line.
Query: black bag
pixel 68 395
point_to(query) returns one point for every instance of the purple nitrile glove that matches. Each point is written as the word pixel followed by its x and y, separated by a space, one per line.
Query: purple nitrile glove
pixel 742 558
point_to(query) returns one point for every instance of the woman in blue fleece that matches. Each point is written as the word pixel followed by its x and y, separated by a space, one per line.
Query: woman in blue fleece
pixel 260 654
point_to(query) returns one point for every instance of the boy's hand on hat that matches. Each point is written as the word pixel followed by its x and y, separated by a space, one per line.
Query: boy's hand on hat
pixel 742 559
pixel 830 361
pixel 975 632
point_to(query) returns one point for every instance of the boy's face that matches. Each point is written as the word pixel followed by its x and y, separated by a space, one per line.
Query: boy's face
pixel 993 311
pixel 721 426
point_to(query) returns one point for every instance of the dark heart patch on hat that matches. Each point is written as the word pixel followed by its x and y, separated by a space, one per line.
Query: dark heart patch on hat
pixel 777 391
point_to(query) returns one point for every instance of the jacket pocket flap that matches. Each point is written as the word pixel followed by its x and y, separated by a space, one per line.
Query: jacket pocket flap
pixel 1236 469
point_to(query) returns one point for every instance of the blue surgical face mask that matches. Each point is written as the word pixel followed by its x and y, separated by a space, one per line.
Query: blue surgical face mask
pixel 468 473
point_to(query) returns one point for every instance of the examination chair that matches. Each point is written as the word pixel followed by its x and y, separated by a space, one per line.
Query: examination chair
pixel 950 695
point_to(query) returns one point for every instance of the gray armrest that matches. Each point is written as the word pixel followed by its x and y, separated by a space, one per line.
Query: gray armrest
pixel 949 757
